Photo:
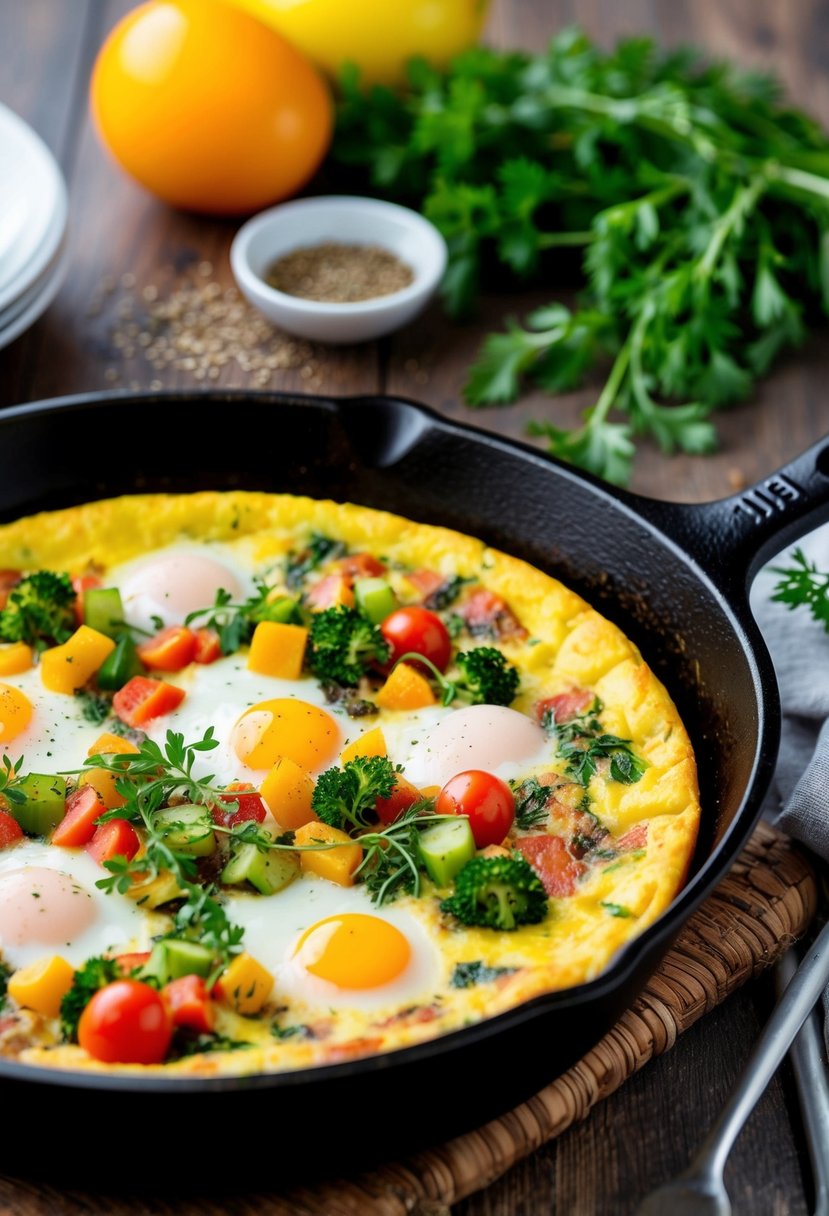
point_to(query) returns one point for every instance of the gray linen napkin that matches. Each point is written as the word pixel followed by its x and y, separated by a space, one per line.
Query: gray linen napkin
pixel 798 801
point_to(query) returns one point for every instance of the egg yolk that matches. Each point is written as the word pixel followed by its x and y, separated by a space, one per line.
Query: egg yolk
pixel 15 712
pixel 354 951
pixel 270 730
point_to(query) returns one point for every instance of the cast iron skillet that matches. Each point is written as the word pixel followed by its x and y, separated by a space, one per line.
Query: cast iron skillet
pixel 674 577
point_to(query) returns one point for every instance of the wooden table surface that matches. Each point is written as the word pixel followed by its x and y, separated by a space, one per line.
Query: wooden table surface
pixel 646 1132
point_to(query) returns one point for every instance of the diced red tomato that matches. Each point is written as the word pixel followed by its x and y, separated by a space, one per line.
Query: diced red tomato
pixel 8 579
pixel 488 614
pixel 250 806
pixel 359 565
pixel 208 649
pixel 635 838
pixel 129 962
pixel 115 838
pixel 425 582
pixel 10 830
pixel 401 798
pixel 331 590
pixel 81 583
pixel 565 705
pixel 83 806
pixel 552 862
pixel 170 650
pixel 142 699
pixel 189 1003
pixel 126 1022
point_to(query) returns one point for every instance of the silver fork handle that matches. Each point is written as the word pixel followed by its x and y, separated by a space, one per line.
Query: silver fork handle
pixel 800 997
pixel 807 1056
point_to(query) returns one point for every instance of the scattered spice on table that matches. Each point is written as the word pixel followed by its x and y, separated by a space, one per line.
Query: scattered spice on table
pixel 339 274
pixel 197 326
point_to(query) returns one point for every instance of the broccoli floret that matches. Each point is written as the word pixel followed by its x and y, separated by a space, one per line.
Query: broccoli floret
pixel 343 644
pixel 486 677
pixel 497 893
pixel 344 797
pixel 39 610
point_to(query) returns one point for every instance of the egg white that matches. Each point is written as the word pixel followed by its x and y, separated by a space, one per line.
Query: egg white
pixel 119 925
pixel 141 602
pixel 273 925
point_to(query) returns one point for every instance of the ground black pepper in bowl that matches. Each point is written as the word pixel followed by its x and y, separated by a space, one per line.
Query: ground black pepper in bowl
pixel 339 274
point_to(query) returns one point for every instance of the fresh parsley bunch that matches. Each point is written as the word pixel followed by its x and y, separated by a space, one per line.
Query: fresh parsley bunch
pixel 699 206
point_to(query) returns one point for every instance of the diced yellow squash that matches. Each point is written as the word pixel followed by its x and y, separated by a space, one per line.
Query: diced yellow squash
pixel 337 865
pixel 372 743
pixel 101 779
pixel 103 782
pixel 14 658
pixel 156 891
pixel 42 985
pixel 67 668
pixel 406 688
pixel 287 791
pixel 278 650
pixel 246 984
pixel 108 744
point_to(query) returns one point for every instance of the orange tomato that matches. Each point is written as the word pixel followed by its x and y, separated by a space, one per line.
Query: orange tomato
pixel 208 108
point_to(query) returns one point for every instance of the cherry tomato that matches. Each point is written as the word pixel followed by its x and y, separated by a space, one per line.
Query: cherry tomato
pixel 126 1023
pixel 417 630
pixel 208 108
pixel 485 799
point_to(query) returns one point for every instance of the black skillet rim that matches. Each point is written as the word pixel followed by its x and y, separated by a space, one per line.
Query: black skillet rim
pixel 656 936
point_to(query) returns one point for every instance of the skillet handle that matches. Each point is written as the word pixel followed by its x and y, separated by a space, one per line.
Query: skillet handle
pixel 732 538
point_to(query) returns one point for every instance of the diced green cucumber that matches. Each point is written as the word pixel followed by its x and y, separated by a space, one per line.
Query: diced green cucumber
pixel 375 598
pixel 175 957
pixel 268 872
pixel 103 610
pixel 120 665
pixel 445 849
pixel 44 806
pixel 284 610
pixel 189 829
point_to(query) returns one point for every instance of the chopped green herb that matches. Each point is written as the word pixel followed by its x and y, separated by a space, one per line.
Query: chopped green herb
pixel 618 910
pixel 803 585
pixel 467 975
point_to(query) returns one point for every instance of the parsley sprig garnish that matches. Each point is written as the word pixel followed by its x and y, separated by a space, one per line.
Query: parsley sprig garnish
pixel 235 622
pixel 10 780
pixel 148 780
pixel 696 202
pixel 802 584
pixel 582 743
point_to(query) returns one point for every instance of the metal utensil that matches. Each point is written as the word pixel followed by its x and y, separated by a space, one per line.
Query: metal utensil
pixel 812 1087
pixel 700 1190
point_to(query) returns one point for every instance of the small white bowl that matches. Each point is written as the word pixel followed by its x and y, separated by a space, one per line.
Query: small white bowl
pixel 346 220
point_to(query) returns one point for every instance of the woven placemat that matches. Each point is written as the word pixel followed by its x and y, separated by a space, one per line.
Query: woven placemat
pixel 764 904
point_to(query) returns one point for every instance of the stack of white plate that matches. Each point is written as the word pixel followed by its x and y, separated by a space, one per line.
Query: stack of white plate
pixel 33 215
